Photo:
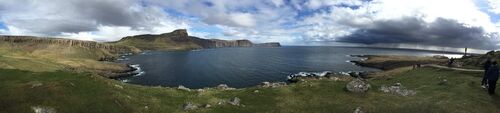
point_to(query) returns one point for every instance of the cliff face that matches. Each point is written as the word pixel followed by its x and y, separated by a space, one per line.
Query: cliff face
pixel 270 44
pixel 180 40
pixel 37 41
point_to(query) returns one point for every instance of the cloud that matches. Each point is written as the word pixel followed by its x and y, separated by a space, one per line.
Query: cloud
pixel 411 30
pixel 288 21
pixel 83 17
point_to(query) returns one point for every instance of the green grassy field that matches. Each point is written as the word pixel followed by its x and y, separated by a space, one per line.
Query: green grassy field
pixel 69 92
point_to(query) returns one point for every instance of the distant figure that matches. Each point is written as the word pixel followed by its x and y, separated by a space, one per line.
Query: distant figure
pixel 450 62
pixel 492 77
pixel 486 66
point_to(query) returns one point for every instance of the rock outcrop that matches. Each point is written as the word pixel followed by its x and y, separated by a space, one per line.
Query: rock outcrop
pixel 397 89
pixel 358 86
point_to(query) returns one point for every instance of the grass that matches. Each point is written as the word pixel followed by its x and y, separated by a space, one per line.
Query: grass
pixel 84 92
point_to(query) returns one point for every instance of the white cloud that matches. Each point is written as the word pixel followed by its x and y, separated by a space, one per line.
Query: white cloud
pixel 86 20
pixel 289 21
pixel 243 19
pixel 494 6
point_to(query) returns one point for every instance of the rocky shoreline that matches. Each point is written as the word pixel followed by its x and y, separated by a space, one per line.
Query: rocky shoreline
pixel 389 62
pixel 136 70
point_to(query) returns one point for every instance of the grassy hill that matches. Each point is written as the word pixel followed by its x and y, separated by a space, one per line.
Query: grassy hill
pixel 180 40
pixel 51 54
pixel 154 42
pixel 65 92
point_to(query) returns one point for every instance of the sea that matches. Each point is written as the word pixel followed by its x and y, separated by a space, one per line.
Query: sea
pixel 246 67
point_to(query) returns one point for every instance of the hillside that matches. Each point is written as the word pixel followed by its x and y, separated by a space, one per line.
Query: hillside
pixel 180 40
pixel 51 54
pixel 64 92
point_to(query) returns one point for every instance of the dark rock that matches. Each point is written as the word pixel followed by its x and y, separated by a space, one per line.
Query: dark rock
pixel 443 82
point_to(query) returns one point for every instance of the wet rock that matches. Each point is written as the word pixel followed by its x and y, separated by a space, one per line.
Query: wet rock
pixel 235 101
pixel 41 109
pixel 189 106
pixel 358 110
pixel 358 86
pixel 181 87
pixel 397 89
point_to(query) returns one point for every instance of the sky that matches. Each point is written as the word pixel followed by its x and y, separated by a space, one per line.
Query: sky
pixel 388 23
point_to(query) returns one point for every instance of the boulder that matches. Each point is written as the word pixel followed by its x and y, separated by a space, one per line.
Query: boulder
pixel 181 87
pixel 41 109
pixel 443 82
pixel 358 86
pixel 189 106
pixel 358 110
pixel 235 101
pixel 397 89
pixel 272 85
pixel 207 106
pixel 224 87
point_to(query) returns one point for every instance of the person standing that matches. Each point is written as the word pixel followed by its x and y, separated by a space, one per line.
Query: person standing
pixel 486 66
pixel 492 77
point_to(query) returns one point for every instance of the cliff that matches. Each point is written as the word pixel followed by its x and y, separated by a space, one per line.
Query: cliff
pixel 180 40
pixel 30 41
pixel 270 44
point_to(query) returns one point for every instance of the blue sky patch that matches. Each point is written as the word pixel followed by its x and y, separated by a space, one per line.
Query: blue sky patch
pixel 2 25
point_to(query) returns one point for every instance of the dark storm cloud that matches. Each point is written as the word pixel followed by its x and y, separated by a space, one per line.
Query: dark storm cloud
pixel 413 30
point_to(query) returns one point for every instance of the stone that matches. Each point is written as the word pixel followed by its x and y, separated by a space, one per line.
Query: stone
pixel 36 84
pixel 358 86
pixel 397 89
pixel 41 109
pixel 256 91
pixel 272 85
pixel 189 106
pixel 358 110
pixel 443 82
pixel 224 87
pixel 221 102
pixel 118 86
pixel 235 101
pixel 181 87
pixel 207 106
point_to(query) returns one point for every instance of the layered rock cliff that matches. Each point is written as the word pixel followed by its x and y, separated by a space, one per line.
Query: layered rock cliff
pixel 269 44
pixel 38 41
pixel 180 40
